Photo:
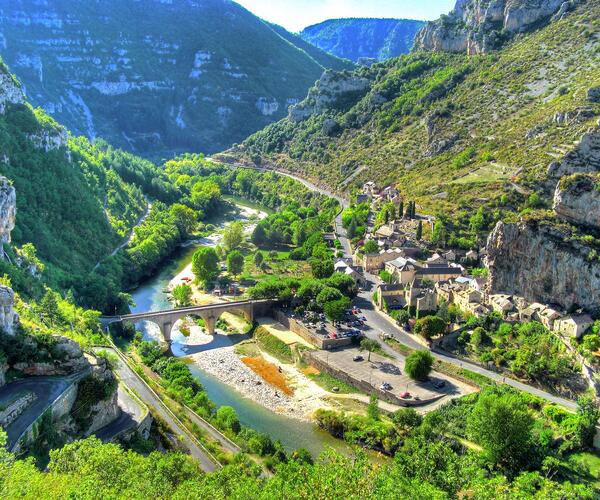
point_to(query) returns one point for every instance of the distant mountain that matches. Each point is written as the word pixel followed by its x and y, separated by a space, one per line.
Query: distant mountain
pixel 355 39
pixel 157 77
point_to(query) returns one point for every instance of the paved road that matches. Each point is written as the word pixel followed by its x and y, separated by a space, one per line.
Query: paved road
pixel 131 234
pixel 47 390
pixel 131 415
pixel 153 401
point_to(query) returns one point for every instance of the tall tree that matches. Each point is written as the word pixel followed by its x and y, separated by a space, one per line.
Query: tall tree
pixel 419 234
pixel 205 264
pixel 233 235
pixel 235 262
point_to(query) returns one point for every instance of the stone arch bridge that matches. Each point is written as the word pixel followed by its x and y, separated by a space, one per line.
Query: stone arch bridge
pixel 165 320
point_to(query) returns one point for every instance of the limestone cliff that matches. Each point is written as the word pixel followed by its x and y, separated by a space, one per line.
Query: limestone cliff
pixel 585 158
pixel 8 209
pixel 9 319
pixel 10 90
pixel 544 262
pixel 478 26
pixel 577 200
pixel 333 89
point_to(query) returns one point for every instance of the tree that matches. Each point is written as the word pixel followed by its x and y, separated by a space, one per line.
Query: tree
pixel 370 246
pixel 182 294
pixel 407 418
pixel 418 365
pixel 401 209
pixel 227 419
pixel 185 218
pixel 373 408
pixel 419 234
pixel 235 262
pixel 369 346
pixel 334 311
pixel 259 258
pixel 408 213
pixel 205 264
pixel 233 235
pixel 401 316
pixel 259 235
pixel 502 425
pixel 430 326
pixel 328 294
pixel 385 276
pixel 49 308
pixel 321 265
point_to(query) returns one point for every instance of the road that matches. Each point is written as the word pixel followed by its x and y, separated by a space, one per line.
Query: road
pixel 129 238
pixel 153 401
pixel 47 390
pixel 132 414
pixel 380 323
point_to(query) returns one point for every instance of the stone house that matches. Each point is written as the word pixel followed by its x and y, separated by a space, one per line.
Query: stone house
pixel 501 303
pixel 421 295
pixel 402 269
pixel 375 261
pixel 574 325
pixel 391 295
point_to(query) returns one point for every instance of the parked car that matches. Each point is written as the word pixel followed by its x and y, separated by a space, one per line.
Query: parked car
pixel 357 358
pixel 385 387
pixel 405 395
pixel 333 335
pixel 438 384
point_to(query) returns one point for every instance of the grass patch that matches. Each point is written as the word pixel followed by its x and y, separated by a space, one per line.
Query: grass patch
pixel 589 462
pixel 273 346
pixel 328 382
pixel 269 373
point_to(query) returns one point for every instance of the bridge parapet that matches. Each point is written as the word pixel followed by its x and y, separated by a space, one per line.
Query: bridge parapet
pixel 210 314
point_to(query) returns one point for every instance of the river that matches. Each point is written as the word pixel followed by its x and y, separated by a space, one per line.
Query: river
pixel 152 296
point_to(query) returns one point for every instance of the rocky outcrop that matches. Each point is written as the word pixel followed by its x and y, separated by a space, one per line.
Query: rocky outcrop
pixel 8 210
pixel 50 139
pixel 66 358
pixel 544 262
pixel 333 89
pixel 577 200
pixel 9 319
pixel 585 158
pixel 479 26
pixel 10 91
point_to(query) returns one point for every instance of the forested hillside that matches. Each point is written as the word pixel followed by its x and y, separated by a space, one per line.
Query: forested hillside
pixel 356 39
pixel 185 76
pixel 453 131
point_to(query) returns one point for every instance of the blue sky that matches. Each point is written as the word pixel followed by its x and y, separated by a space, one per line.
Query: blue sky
pixel 297 14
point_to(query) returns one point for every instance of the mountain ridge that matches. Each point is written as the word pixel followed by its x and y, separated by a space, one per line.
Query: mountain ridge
pixel 187 76
pixel 364 38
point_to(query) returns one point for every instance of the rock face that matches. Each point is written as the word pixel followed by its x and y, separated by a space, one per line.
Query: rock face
pixel 9 319
pixel 585 158
pixel 10 91
pixel 332 89
pixel 542 263
pixel 577 200
pixel 478 26
pixel 358 39
pixel 8 210
pixel 162 84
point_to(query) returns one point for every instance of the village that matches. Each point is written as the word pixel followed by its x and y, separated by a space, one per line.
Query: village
pixel 412 275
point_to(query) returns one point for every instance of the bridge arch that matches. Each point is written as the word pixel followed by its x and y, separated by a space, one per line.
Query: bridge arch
pixel 165 320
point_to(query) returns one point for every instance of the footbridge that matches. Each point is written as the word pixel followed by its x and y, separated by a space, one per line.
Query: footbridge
pixel 165 320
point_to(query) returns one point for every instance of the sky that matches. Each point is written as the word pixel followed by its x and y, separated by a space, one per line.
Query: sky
pixel 295 15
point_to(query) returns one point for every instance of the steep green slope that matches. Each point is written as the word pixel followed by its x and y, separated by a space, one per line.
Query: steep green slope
pixel 451 130
pixel 357 38
pixel 324 58
pixel 156 76
pixel 72 201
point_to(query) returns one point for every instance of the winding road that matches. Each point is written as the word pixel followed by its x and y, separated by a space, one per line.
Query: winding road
pixel 381 323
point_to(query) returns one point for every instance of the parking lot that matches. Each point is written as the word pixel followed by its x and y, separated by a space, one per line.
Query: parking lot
pixel 382 370
pixel 352 325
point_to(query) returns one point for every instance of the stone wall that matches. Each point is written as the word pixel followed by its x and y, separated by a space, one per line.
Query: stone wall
pixel 9 414
pixel 316 340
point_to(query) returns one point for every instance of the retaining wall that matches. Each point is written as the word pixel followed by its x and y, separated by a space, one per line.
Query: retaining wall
pixel 311 337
